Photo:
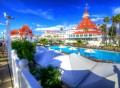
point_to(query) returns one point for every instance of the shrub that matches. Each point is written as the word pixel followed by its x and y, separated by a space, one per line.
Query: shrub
pixel 24 49
pixel 43 41
pixel 49 77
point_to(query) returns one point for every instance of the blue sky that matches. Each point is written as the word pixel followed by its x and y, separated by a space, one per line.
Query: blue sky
pixel 53 14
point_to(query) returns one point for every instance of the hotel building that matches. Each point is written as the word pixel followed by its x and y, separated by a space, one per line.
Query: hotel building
pixel 86 30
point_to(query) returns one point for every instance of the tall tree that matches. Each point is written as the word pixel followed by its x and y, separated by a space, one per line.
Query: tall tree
pixel 112 29
pixel 112 32
pixel 106 20
pixel 103 28
pixel 79 44
pixel 118 21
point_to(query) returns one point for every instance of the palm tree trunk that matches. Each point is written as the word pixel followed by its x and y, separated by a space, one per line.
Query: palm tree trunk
pixel 119 35
pixel 106 34
pixel 112 31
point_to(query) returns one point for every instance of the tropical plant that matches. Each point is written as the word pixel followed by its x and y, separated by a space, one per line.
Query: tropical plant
pixel 103 28
pixel 17 46
pixel 112 29
pixel 49 77
pixel 118 21
pixel 24 49
pixel 59 41
pixel 43 41
pixel 112 32
pixel 106 20
pixel 79 42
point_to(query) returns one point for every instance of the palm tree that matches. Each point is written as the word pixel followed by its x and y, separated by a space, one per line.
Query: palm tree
pixel 118 21
pixel 106 20
pixel 112 32
pixel 112 29
pixel 43 41
pixel 103 28
pixel 79 43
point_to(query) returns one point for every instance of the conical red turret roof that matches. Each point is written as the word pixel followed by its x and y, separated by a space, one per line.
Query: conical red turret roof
pixel 86 12
pixel 86 22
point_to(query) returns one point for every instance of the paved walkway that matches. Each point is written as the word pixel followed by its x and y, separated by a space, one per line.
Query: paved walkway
pixel 5 79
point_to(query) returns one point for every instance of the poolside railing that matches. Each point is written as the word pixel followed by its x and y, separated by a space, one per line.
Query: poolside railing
pixel 21 75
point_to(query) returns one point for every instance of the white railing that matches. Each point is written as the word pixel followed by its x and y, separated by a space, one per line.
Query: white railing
pixel 21 75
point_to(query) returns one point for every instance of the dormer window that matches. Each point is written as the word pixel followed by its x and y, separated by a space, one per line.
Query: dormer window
pixel 27 31
pixel 17 33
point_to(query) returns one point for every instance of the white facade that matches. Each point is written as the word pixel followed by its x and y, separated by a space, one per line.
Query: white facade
pixel 54 35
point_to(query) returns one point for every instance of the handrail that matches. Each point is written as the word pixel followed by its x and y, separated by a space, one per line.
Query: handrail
pixel 21 74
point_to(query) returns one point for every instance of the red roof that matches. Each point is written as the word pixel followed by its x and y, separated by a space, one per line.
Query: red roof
pixel 86 12
pixel 89 32
pixel 86 22
pixel 24 30
pixel 14 32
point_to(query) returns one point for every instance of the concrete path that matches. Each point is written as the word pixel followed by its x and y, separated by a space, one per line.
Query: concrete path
pixel 5 79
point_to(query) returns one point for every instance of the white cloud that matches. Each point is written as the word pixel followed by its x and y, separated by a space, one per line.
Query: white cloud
pixel 97 19
pixel 116 10
pixel 48 14
pixel 2 24
pixel 38 25
pixel 96 15
pixel 57 27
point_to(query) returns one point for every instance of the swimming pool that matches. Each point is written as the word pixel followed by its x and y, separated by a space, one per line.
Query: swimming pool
pixel 98 54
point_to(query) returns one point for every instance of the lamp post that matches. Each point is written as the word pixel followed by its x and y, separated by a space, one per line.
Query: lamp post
pixel 7 37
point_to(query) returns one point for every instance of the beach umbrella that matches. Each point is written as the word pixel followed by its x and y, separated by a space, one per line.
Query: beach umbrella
pixel 72 48
pixel 89 51
pixel 61 47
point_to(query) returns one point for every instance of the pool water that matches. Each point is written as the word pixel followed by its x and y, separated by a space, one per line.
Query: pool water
pixel 98 54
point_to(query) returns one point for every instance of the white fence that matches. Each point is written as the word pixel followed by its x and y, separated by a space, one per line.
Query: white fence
pixel 21 75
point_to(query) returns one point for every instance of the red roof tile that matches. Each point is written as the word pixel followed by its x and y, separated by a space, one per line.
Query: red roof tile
pixel 14 32
pixel 86 22
pixel 22 31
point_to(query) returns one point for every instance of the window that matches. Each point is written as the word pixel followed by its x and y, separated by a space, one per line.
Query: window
pixel 27 31
pixel 85 35
pixel 17 33
pixel 90 34
pixel 81 35
pixel 77 35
